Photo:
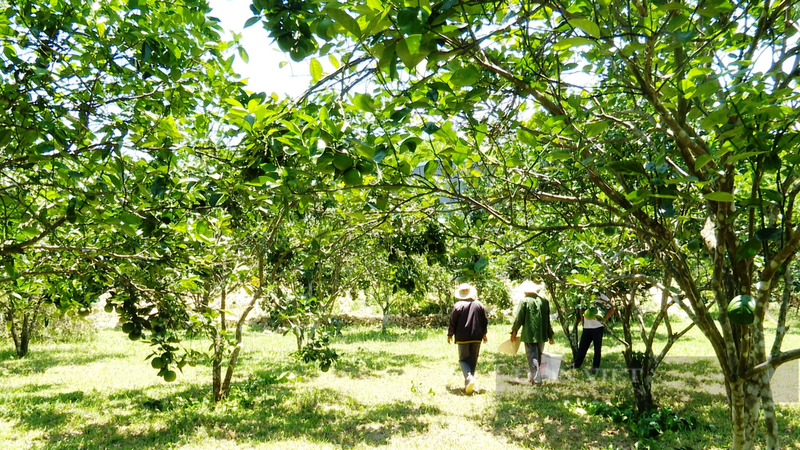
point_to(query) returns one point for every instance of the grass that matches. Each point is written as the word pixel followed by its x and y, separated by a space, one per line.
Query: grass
pixel 401 390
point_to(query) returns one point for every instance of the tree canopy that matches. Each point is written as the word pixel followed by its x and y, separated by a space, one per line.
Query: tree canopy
pixel 130 152
pixel 674 121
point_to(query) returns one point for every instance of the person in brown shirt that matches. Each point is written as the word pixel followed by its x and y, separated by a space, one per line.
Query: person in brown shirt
pixel 468 323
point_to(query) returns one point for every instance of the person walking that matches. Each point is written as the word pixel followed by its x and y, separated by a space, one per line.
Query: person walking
pixel 533 316
pixel 468 323
pixel 593 318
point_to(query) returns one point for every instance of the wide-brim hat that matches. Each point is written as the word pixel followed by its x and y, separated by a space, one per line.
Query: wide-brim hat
pixel 602 297
pixel 466 291
pixel 529 287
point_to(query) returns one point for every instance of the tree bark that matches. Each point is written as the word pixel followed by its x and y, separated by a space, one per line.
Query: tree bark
pixel 386 306
pixel 570 329
pixel 642 383
pixel 216 369
pixel 21 334
pixel 219 349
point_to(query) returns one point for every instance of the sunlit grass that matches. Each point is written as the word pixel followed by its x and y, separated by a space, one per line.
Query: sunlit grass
pixel 400 390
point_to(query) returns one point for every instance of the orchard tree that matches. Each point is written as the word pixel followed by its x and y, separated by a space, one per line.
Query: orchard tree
pixel 677 119
pixel 97 100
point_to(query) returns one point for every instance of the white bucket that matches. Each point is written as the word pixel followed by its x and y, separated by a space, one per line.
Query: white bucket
pixel 551 365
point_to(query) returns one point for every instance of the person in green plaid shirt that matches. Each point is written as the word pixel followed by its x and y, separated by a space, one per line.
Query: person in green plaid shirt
pixel 533 316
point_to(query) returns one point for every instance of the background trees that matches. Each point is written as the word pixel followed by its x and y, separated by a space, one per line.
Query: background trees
pixel 684 122
pixel 672 125
pixel 98 102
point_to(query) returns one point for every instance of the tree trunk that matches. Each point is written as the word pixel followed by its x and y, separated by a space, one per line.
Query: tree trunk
pixel 298 335
pixel 20 336
pixel 226 384
pixel 747 399
pixel 385 306
pixel 219 349
pixel 216 369
pixel 642 383
pixel 563 319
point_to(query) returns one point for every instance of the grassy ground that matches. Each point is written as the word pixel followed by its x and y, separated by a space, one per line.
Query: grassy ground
pixel 402 390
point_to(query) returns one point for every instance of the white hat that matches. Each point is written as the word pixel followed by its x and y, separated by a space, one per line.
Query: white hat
pixel 602 297
pixel 466 291
pixel 529 287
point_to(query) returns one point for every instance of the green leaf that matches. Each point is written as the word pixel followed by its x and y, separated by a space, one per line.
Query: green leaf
pixel 684 36
pixel 706 89
pixel 748 250
pixel 5 137
pixel 413 43
pixel 251 21
pixel 526 137
pixel 412 20
pixel 772 195
pixel 701 161
pixel 579 279
pixel 364 102
pixel 627 167
pixel 558 156
pixel 399 115
pixel 464 252
pixel 430 128
pixel 596 128
pixel 410 59
pixel 411 143
pixel 572 42
pixel 8 261
pixel 344 19
pixel 638 195
pixel 587 26
pixel 480 265
pixel 743 155
pixel 72 215
pixel 466 76
pixel 243 54
pixel 315 69
pixel 333 60
pixel 250 119
pixel 769 234
pixel 719 196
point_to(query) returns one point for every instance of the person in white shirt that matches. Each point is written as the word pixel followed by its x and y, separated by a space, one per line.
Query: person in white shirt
pixel 593 330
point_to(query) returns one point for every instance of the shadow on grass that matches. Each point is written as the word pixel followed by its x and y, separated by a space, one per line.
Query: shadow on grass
pixel 394 334
pixel 551 416
pixel 41 411
pixel 271 413
pixel 40 362
pixel 362 363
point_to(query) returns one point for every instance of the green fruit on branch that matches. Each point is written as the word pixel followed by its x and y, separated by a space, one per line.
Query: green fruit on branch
pixel 741 310
pixel 591 313
pixel 157 363
pixel 342 161
pixel 352 177
pixel 170 376
pixel 365 166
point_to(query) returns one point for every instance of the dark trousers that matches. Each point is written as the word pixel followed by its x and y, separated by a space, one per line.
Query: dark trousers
pixel 590 336
pixel 468 357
